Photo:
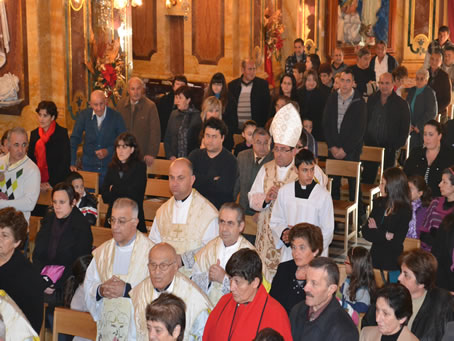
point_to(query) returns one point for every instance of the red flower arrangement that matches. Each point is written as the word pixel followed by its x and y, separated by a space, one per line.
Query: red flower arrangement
pixel 107 66
pixel 273 29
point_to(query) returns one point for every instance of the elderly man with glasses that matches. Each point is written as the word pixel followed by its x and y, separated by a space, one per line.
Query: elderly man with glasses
pixel 165 277
pixel 117 266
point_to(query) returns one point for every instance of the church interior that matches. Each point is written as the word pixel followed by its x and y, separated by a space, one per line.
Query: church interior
pixel 52 44
pixel 86 56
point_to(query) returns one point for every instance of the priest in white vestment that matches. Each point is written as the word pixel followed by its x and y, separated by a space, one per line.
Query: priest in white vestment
pixel 17 325
pixel 286 130
pixel 302 201
pixel 209 268
pixel 164 277
pixel 187 221
pixel 117 266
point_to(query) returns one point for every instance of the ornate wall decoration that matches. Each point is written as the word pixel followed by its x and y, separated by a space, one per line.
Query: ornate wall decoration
pixel 14 91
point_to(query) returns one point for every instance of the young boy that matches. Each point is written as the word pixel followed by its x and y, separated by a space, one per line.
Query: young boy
pixel 248 130
pixel 87 203
pixel 304 200
pixel 307 124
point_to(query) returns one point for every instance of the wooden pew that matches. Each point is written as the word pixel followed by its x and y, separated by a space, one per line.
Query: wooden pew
pixel 72 322
pixel 100 235
pixel 91 180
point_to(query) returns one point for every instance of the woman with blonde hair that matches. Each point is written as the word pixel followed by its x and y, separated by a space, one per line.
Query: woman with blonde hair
pixel 211 107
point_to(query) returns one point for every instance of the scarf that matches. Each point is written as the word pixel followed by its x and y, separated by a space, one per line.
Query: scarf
pixel 40 151
pixel 412 232
pixel 182 135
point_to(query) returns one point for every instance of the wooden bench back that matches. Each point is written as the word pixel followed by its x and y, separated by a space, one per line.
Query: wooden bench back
pixel 158 188
pixel 72 322
pixel 91 180
pixel 100 235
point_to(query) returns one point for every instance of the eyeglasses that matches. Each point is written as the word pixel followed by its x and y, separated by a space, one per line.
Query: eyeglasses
pixel 281 150
pixel 162 266
pixel 121 221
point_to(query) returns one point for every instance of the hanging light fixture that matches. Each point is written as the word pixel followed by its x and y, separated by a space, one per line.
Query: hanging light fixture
pixel 76 5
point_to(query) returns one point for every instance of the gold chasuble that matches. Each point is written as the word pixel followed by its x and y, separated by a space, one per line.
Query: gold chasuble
pixel 209 255
pixel 116 312
pixel 264 242
pixel 17 326
pixel 198 305
pixel 186 237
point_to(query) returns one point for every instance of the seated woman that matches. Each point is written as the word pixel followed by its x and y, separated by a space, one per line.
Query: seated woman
pixel 439 208
pixel 49 146
pixel 394 309
pixel 430 161
pixel 359 286
pixel 126 177
pixel 306 241
pixel 387 225
pixel 182 133
pixel 65 235
pixel 423 107
pixel 166 318
pixel 18 277
pixel 433 307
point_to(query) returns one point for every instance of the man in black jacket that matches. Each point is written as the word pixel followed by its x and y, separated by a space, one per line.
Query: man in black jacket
pixel 320 316
pixel 249 99
pixel 344 125
pixel 382 62
pixel 388 125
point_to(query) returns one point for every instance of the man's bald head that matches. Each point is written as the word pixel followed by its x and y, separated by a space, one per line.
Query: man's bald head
pixel 181 178
pixel 136 89
pixel 386 84
pixel 162 265
pixel 98 102
pixel 163 249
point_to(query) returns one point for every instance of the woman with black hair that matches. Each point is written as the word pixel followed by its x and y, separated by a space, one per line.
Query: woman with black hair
pixel 218 88
pixel 394 309
pixel 387 225
pixel 182 134
pixel 65 235
pixel 126 177
pixel 430 160
pixel 49 146
pixel 312 103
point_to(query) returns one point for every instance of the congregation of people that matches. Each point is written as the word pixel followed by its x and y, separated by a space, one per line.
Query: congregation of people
pixel 241 249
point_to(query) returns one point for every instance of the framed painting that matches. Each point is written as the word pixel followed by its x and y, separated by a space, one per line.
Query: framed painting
pixel 354 23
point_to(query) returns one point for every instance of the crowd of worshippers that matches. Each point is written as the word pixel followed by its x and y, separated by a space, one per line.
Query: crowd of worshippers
pixel 196 274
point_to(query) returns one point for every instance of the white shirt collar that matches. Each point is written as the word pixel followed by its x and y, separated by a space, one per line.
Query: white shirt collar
pixel 181 203
pixel 99 118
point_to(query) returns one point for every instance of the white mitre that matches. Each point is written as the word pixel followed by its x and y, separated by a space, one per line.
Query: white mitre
pixel 286 127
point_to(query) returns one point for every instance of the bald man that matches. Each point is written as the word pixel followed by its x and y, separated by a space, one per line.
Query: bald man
pixel 164 277
pixel 388 125
pixel 141 119
pixel 187 221
pixel 101 125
